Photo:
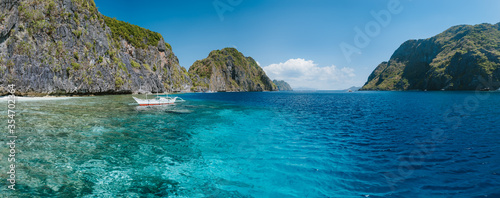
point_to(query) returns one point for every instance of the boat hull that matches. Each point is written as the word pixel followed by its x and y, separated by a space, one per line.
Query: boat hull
pixel 153 102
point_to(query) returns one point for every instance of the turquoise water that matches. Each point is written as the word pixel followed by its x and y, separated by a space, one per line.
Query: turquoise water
pixel 271 144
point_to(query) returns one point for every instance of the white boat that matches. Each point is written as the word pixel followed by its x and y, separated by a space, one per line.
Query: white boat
pixel 157 100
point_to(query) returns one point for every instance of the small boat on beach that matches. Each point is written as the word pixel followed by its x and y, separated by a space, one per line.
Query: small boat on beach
pixel 158 100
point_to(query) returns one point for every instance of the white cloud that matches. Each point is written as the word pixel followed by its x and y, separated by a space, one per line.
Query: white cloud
pixel 305 73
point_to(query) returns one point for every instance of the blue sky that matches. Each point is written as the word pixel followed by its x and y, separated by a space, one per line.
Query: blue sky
pixel 300 41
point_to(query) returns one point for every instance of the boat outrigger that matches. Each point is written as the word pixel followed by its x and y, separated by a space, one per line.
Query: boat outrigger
pixel 158 100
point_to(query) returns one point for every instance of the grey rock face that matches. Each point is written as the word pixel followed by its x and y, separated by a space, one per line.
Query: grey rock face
pixel 282 85
pixel 463 57
pixel 66 48
pixel 229 70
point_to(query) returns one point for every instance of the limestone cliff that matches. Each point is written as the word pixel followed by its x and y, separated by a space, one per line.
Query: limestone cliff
pixel 229 70
pixel 68 47
pixel 463 57
pixel 282 85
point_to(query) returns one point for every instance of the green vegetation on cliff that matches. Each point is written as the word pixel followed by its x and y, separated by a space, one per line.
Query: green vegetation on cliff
pixel 461 58
pixel 68 47
pixel 135 35
pixel 52 47
pixel 229 70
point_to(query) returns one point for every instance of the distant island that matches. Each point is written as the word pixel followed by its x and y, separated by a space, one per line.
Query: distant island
pixel 304 89
pixel 68 47
pixel 282 85
pixel 353 88
pixel 229 70
pixel 463 57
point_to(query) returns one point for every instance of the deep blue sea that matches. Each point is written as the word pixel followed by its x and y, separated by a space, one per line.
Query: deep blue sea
pixel 269 144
